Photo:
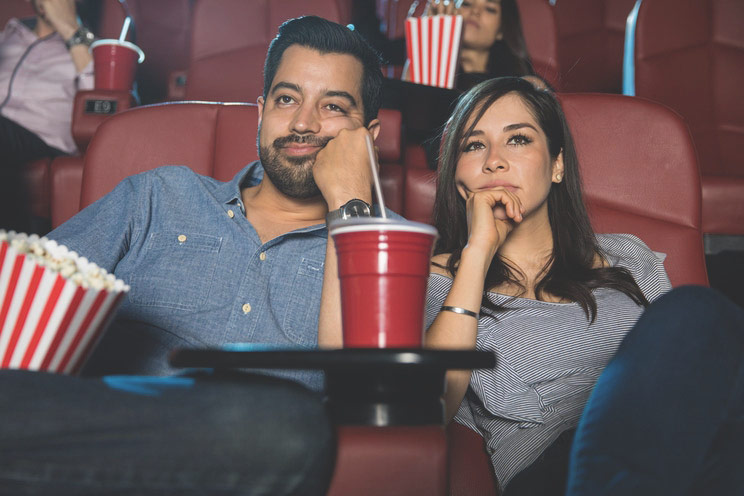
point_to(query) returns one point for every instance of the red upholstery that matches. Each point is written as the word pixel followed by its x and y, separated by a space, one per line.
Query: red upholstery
pixel 217 140
pixel 577 45
pixel 163 31
pixel 469 466
pixel 66 179
pixel 14 8
pixel 91 108
pixel 707 36
pixel 229 41
pixel 36 176
pixel 389 144
pixel 390 461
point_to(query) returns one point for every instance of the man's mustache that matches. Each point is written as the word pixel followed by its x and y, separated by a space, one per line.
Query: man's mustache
pixel 312 140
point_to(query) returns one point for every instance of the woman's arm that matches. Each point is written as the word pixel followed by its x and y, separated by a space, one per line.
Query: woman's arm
pixel 487 232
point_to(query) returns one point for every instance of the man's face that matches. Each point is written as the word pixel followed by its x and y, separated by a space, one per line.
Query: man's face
pixel 312 98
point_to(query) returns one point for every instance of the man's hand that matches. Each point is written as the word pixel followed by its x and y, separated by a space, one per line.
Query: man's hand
pixel 342 170
pixel 61 15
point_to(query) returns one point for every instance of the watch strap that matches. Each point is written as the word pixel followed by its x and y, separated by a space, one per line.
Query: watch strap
pixel 82 36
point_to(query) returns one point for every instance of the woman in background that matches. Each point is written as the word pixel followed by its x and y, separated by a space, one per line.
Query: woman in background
pixel 518 271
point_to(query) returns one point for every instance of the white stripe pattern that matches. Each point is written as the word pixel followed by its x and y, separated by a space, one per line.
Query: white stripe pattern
pixel 548 358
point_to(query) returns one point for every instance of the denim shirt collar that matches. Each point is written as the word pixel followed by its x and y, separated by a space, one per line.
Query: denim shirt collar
pixel 251 175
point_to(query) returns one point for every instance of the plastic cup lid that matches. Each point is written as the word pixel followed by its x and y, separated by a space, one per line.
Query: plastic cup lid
pixel 363 224
pixel 122 43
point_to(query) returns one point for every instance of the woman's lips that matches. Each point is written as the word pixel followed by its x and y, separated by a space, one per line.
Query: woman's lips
pixel 499 184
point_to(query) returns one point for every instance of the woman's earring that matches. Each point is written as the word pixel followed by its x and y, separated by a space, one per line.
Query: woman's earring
pixel 558 177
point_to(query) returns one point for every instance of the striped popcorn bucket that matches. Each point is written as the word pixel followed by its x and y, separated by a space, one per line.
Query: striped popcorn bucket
pixel 50 322
pixel 433 44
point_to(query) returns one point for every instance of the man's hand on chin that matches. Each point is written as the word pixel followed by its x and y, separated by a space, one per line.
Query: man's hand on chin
pixel 342 170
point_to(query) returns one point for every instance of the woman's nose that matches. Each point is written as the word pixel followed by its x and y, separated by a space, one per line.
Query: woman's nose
pixel 495 161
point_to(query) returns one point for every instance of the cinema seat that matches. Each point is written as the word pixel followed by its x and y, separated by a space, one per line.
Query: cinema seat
pixel 641 177
pixel 690 56
pixel 229 40
pixel 218 140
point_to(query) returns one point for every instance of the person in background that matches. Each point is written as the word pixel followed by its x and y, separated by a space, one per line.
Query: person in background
pixel 492 40
pixel 519 271
pixel 44 60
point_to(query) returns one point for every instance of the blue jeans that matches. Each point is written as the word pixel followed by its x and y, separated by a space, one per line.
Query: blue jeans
pixel 667 414
pixel 228 435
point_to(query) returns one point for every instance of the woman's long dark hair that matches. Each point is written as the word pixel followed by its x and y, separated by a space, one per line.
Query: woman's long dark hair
pixel 513 38
pixel 570 272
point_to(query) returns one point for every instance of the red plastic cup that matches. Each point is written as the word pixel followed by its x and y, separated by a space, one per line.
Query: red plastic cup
pixel 115 63
pixel 383 266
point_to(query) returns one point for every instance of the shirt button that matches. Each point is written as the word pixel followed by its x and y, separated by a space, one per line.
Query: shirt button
pixel 262 256
pixel 182 238
pixel 246 308
pixel 230 214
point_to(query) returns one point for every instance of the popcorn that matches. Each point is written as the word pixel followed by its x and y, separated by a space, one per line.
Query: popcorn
pixel 433 46
pixel 54 304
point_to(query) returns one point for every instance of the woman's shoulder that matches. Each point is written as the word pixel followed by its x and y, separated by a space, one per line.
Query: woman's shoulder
pixel 439 265
pixel 645 265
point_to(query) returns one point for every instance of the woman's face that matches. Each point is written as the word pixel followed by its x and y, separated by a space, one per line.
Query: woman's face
pixel 481 23
pixel 508 149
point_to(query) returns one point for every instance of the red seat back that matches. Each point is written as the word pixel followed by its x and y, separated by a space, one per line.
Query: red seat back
pixel 14 8
pixel 640 176
pixel 212 139
pixel 229 40
pixel 163 31
pixel 693 61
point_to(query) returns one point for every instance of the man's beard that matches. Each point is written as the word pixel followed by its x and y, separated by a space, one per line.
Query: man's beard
pixel 292 175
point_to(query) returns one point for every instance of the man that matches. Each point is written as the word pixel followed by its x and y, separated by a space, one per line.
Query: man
pixel 211 263
pixel 44 60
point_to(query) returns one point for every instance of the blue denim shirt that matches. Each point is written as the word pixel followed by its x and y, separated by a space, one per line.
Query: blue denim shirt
pixel 198 272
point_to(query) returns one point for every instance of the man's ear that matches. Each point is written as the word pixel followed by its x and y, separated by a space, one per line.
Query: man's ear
pixel 374 128
pixel 260 103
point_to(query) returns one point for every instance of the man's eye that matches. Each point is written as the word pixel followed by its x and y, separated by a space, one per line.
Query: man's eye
pixel 519 139
pixel 284 99
pixel 335 108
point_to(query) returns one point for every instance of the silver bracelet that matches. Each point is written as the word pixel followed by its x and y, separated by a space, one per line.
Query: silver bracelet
pixel 459 310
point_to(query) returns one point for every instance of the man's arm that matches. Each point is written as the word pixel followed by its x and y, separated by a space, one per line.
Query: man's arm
pixel 342 172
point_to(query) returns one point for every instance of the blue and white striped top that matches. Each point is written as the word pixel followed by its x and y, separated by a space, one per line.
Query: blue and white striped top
pixel 548 358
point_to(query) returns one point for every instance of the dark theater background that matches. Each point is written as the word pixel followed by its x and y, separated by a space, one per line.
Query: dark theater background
pixel 659 79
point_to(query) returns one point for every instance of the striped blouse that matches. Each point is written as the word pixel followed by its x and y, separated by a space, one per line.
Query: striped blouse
pixel 544 373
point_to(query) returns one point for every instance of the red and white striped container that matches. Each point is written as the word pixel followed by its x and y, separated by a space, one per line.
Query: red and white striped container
pixel 50 322
pixel 433 45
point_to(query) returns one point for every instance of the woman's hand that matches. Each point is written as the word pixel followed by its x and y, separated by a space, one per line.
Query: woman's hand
pixel 491 215
pixel 441 7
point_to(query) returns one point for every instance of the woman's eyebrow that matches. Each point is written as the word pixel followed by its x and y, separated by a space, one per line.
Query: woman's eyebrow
pixel 512 127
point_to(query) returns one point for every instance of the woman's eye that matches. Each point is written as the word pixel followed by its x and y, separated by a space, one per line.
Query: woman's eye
pixel 519 139
pixel 473 145
pixel 492 10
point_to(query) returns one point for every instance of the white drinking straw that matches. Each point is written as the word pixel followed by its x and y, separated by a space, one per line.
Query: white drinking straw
pixel 376 176
pixel 125 28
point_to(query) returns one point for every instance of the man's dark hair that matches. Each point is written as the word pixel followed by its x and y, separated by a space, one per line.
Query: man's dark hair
pixel 328 37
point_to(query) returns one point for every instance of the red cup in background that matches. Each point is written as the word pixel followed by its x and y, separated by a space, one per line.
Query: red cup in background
pixel 115 64
pixel 383 267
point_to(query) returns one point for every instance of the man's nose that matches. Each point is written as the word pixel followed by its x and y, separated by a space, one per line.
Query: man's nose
pixel 305 120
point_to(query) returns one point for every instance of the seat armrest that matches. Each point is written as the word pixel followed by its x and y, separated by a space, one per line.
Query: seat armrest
pixel 66 179
pixel 91 108
pixel 405 461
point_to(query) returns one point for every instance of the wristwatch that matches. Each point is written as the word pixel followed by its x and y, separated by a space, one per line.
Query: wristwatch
pixel 352 208
pixel 82 36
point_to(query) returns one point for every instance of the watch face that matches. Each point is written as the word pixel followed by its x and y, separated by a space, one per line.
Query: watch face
pixel 356 208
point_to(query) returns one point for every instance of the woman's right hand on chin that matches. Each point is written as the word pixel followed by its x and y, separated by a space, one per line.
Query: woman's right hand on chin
pixel 492 214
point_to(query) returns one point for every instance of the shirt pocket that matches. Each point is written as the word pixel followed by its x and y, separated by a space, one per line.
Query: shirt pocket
pixel 303 305
pixel 175 270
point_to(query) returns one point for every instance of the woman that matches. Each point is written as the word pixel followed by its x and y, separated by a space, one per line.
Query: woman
pixel 492 41
pixel 519 271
